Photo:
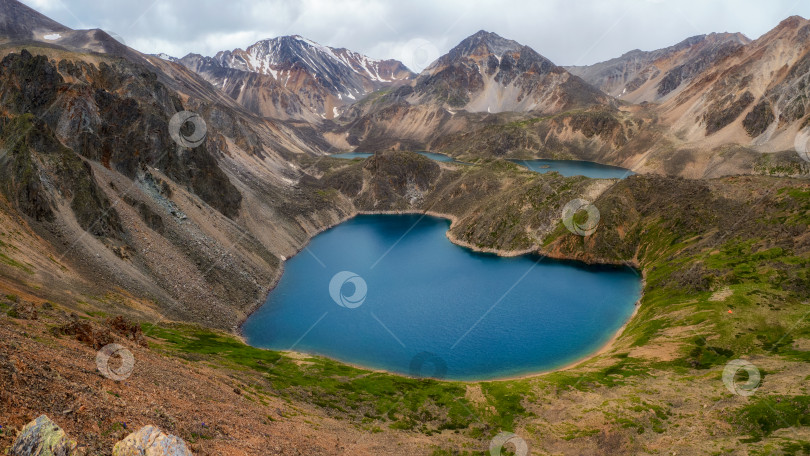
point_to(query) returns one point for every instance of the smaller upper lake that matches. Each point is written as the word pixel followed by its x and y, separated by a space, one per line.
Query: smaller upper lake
pixel 576 168
pixel 567 168
pixel 430 155
pixel 438 157
pixel 352 155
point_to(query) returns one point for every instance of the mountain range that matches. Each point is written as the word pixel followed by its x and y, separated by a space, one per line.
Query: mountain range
pixel 103 212
pixel 291 77
pixel 639 76
pixel 374 103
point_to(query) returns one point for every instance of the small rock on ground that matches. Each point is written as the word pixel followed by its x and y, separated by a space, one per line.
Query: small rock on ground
pixel 150 441
pixel 42 437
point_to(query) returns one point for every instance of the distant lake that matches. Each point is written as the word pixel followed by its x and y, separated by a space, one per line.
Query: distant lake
pixel 576 168
pixel 437 157
pixel 430 155
pixel 391 292
pixel 352 155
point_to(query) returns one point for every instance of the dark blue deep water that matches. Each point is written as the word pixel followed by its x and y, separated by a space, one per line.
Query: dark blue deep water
pixel 404 299
pixel 576 168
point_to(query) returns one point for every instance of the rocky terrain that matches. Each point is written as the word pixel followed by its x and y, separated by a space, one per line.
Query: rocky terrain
pixel 484 74
pixel 290 77
pixel 120 224
pixel 488 73
pixel 638 76
pixel 756 94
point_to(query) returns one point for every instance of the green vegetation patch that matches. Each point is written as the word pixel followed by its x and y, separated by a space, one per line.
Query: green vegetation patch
pixel 614 375
pixel 423 405
pixel 765 415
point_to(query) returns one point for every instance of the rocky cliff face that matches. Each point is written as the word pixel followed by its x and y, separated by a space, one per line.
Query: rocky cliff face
pixel 756 96
pixel 292 77
pixel 639 76
pixel 483 76
pixel 258 93
pixel 107 198
pixel 87 147
pixel 488 73
pixel 103 115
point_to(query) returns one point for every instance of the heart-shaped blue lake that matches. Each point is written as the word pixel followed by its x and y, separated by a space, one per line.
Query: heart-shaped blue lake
pixel 391 292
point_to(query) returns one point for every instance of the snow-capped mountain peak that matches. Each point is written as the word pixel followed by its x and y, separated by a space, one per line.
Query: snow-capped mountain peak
pixel 325 78
pixel 274 55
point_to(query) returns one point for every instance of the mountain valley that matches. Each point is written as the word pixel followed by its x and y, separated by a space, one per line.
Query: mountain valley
pixel 114 231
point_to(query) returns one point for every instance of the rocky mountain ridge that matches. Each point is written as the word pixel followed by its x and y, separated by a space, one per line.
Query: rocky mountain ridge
pixel 485 79
pixel 488 73
pixel 639 76
pixel 756 96
pixel 292 77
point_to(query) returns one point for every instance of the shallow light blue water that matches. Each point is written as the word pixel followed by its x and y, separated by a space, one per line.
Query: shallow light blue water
pixel 435 309
pixel 437 157
pixel 352 155
pixel 430 155
pixel 576 168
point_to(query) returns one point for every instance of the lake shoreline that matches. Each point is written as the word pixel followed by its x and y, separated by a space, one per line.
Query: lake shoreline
pixel 534 250
pixel 606 347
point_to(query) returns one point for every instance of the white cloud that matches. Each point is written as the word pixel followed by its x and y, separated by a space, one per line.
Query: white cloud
pixel 566 32
pixel 43 5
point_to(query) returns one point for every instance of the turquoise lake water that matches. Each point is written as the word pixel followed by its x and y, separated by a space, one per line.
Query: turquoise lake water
pixel 565 167
pixel 576 168
pixel 430 155
pixel 391 292
pixel 352 155
pixel 438 157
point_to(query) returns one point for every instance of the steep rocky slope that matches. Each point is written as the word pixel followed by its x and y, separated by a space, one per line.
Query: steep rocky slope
pixel 484 74
pixel 258 93
pixel 719 90
pixel 19 22
pixel 755 97
pixel 639 76
pixel 488 73
pixel 292 77
pixel 104 197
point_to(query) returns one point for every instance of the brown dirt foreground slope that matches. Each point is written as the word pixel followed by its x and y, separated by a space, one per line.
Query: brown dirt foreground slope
pixel 42 373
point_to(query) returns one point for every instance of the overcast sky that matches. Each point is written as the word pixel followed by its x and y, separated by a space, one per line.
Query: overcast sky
pixel 569 32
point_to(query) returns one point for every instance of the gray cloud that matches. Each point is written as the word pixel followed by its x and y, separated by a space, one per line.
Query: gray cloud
pixel 567 32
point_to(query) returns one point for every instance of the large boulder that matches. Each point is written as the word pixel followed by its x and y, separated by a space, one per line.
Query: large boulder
pixel 150 441
pixel 42 437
